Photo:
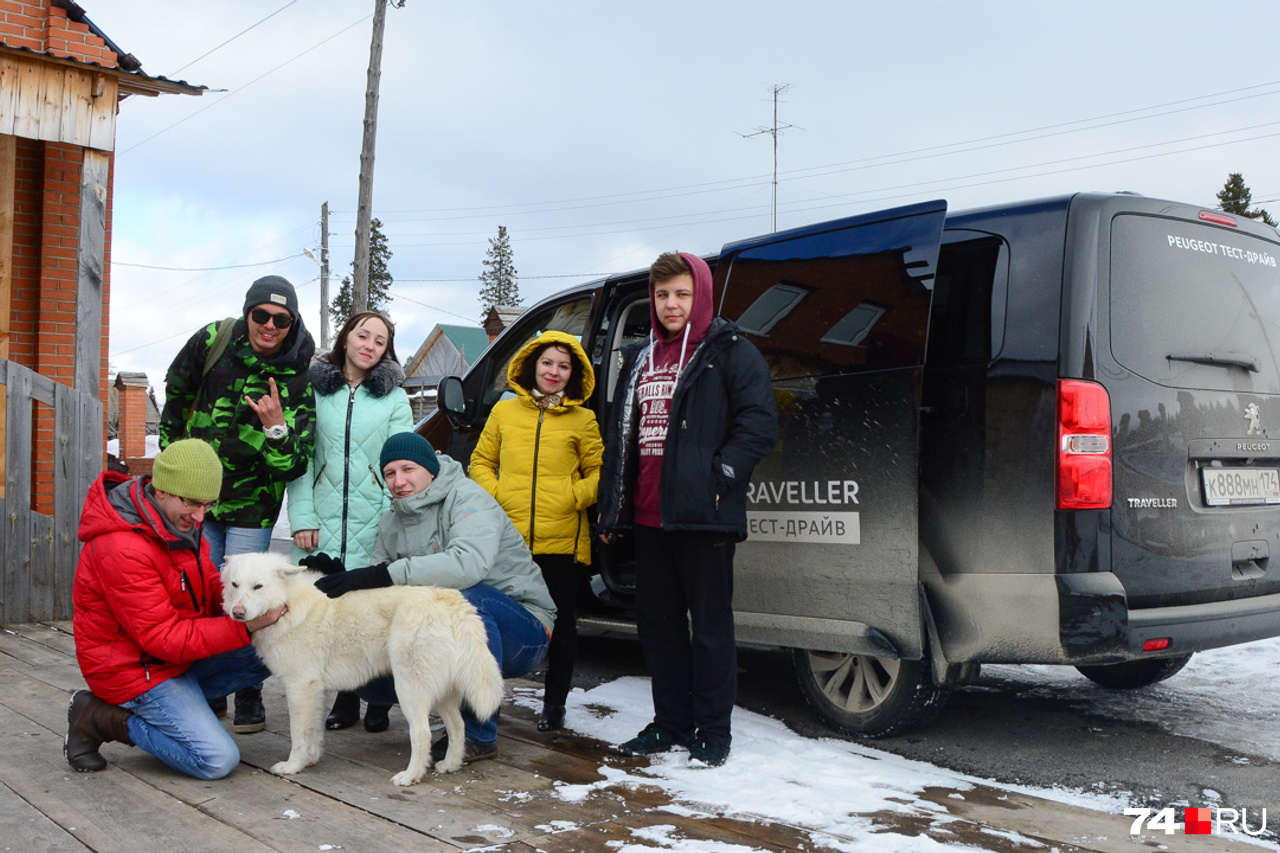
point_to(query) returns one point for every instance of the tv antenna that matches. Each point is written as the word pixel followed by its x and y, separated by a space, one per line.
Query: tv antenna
pixel 774 131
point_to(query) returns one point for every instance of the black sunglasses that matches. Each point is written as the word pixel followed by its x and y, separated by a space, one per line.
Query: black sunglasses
pixel 262 317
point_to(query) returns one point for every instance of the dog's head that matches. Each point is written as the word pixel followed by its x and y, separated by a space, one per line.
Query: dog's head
pixel 252 584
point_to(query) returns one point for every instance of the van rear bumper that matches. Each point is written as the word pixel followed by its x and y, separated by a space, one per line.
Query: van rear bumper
pixel 1196 627
pixel 1080 619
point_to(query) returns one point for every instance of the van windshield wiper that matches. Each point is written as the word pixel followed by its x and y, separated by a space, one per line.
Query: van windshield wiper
pixel 1223 359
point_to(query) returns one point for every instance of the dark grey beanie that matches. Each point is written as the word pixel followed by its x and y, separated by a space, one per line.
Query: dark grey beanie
pixel 411 446
pixel 274 289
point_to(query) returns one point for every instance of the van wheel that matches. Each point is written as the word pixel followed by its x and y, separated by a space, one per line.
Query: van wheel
pixel 1136 673
pixel 868 696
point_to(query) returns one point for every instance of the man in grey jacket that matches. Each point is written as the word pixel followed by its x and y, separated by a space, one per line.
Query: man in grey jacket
pixel 445 530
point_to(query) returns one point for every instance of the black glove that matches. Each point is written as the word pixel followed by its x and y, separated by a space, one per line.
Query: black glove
pixel 370 577
pixel 322 563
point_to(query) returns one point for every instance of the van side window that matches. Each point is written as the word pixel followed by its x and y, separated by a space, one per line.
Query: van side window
pixel 961 328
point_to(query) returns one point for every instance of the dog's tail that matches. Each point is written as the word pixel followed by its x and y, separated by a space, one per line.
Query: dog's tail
pixel 479 678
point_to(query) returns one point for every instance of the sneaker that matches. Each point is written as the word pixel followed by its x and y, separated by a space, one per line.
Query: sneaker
pixel 471 751
pixel 708 753
pixel 218 706
pixel 651 740
pixel 251 716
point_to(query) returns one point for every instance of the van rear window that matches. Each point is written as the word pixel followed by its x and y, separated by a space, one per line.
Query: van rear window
pixel 1195 306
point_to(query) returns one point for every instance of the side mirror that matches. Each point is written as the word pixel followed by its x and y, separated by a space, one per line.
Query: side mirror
pixel 450 397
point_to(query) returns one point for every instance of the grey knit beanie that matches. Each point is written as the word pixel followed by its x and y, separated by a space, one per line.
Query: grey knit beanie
pixel 274 289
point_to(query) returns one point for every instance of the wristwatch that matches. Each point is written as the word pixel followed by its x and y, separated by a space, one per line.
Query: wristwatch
pixel 277 432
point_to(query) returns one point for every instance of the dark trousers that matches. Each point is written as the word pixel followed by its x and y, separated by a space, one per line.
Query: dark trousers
pixel 563 577
pixel 684 581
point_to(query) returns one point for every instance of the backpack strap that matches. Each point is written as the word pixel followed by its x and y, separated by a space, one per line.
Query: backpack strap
pixel 220 343
pixel 219 346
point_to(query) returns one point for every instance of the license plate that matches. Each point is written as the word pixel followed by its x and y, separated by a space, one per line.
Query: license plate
pixel 1235 486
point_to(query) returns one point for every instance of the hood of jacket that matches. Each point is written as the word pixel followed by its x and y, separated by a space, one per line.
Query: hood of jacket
pixel 383 378
pixel 581 366
pixel 116 503
pixel 699 317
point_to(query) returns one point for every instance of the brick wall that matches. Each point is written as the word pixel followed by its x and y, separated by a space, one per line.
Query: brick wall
pixel 40 27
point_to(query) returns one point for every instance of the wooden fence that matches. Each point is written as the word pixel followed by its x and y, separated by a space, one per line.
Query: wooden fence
pixel 38 552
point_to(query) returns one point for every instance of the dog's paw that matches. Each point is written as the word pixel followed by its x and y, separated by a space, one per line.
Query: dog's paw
pixel 287 768
pixel 444 765
pixel 405 778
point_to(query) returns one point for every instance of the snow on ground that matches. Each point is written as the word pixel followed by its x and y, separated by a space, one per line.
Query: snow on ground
pixel 1219 697
pixel 776 775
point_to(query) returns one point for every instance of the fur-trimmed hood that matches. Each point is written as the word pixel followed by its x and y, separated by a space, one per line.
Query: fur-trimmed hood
pixel 386 375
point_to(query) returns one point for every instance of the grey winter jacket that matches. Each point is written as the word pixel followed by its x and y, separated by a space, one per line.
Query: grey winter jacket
pixel 453 534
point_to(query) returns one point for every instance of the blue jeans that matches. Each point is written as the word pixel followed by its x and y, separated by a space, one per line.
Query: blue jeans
pixel 517 641
pixel 226 541
pixel 173 721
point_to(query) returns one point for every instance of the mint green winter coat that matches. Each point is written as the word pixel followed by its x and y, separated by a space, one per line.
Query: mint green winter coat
pixel 342 494
pixel 453 534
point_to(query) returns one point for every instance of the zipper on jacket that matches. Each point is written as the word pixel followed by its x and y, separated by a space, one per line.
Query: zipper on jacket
pixel 533 498
pixel 146 668
pixel 346 470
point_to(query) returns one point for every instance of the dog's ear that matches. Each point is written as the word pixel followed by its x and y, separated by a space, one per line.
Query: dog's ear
pixel 287 570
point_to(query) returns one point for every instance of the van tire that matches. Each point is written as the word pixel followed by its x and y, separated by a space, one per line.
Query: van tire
pixel 1134 673
pixel 868 696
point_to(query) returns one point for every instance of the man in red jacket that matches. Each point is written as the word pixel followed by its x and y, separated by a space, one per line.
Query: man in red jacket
pixel 151 638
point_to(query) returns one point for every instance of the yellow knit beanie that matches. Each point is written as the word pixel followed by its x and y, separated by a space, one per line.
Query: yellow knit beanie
pixel 189 469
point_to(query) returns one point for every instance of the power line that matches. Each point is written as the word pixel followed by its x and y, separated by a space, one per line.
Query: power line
pixel 206 269
pixel 230 40
pixel 242 88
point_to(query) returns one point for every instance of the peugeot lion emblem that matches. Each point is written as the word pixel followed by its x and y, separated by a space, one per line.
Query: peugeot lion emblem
pixel 1254 417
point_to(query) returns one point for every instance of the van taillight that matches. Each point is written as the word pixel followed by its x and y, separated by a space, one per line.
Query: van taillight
pixel 1084 445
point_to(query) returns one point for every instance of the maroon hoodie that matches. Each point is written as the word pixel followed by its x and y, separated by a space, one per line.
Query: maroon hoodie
pixel 660 374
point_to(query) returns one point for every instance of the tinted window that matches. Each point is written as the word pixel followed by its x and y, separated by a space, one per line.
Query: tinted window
pixel 961 326
pixel 1194 306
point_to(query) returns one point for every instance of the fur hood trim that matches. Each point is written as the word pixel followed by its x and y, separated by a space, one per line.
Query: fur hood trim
pixel 386 375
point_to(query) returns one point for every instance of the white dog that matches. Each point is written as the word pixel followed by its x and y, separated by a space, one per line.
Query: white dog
pixel 431 640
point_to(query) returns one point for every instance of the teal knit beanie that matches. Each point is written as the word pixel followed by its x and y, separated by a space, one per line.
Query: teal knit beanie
pixel 411 446
pixel 189 469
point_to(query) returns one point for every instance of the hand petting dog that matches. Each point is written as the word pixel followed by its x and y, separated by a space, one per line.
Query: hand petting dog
pixel 370 577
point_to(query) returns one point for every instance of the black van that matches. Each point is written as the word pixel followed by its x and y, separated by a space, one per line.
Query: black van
pixel 1031 433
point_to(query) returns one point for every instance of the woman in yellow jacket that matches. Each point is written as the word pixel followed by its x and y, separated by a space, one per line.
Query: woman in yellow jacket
pixel 539 456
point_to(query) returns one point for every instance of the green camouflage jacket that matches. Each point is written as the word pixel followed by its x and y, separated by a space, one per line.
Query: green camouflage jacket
pixel 256 469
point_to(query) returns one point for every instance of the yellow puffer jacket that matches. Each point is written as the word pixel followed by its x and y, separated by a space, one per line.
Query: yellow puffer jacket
pixel 543 465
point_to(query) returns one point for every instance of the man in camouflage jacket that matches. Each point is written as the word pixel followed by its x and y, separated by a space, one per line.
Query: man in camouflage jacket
pixel 255 406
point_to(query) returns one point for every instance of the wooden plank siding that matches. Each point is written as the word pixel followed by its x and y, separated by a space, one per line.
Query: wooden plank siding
pixel 57 103
pixel 39 551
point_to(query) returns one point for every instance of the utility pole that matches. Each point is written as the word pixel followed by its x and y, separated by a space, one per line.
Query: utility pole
pixel 364 205
pixel 773 131
pixel 324 276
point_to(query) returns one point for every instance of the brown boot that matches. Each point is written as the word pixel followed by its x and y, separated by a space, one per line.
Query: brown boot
pixel 91 723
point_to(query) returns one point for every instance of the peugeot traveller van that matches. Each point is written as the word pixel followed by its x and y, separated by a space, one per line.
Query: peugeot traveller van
pixel 1038 432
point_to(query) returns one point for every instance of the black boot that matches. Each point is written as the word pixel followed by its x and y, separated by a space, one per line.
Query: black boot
pixel 251 716
pixel 91 723
pixel 345 713
pixel 552 718
pixel 376 718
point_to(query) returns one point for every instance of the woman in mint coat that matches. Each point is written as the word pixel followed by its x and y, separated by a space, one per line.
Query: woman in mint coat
pixel 334 508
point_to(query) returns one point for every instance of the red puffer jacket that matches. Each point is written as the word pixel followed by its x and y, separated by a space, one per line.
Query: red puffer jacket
pixel 146 604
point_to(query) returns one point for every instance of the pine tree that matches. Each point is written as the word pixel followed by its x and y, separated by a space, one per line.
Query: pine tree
pixel 498 284
pixel 379 279
pixel 1235 197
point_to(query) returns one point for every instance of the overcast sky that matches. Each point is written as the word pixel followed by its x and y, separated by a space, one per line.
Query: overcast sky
pixel 603 134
